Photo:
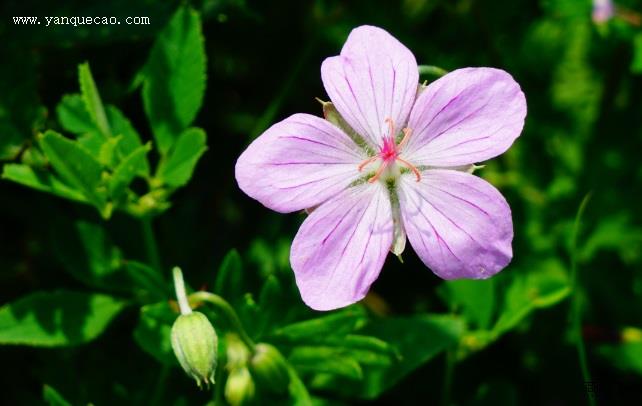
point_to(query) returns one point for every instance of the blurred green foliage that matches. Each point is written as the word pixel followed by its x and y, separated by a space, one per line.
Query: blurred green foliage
pixel 98 123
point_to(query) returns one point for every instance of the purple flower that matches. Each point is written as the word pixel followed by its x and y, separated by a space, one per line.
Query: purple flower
pixel 394 162
pixel 603 10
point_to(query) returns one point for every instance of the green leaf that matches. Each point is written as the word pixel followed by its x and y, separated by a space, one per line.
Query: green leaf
pixel 148 279
pixel 40 180
pixel 62 318
pixel 626 356
pixel 417 340
pixel 545 287
pixel 53 398
pixel 476 298
pixel 317 330
pixel 174 77
pixel 176 170
pixel 76 166
pixel 131 141
pixel 153 331
pixel 132 165
pixel 297 390
pixel 73 115
pixel 325 360
pixel 636 63
pixel 229 278
pixel 91 97
pixel 107 151
pixel 11 140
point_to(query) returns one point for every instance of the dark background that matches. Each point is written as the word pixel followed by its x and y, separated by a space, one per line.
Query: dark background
pixel 583 134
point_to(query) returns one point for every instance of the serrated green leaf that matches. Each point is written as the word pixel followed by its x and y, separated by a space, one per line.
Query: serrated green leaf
pixel 130 167
pixel 417 340
pixel 107 152
pixel 325 360
pixel 73 115
pixel 229 278
pixel 131 141
pixel 153 331
pixel 41 180
pixel 174 77
pixel 91 97
pixel 317 330
pixel 176 170
pixel 77 167
pixel 54 319
pixel 52 397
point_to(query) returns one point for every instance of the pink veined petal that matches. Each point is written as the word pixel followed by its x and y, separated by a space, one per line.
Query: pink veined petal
pixel 341 247
pixel 469 115
pixel 298 163
pixel 458 224
pixel 375 77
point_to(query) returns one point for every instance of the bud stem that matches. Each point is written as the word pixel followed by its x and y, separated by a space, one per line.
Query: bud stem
pixel 181 295
pixel 227 311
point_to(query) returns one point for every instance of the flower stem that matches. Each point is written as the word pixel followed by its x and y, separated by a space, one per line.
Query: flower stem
pixel 227 311
pixel 575 304
pixel 181 295
pixel 151 247
pixel 432 70
pixel 448 377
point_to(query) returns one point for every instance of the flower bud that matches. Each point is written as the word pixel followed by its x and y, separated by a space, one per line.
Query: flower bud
pixel 239 388
pixel 195 344
pixel 270 368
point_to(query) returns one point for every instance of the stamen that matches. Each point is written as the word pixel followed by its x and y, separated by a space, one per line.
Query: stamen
pixel 411 167
pixel 367 162
pixel 377 174
pixel 406 135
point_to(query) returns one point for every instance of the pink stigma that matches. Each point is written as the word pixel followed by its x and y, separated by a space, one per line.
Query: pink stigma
pixel 389 153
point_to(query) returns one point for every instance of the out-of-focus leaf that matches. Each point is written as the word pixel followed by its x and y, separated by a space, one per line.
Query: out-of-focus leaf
pixel 297 390
pixel 174 78
pixel 88 253
pixel 62 318
pixel 271 304
pixel 615 233
pixel 626 355
pixel 10 141
pixel 176 170
pixel 147 278
pixel 329 360
pixel 73 115
pixel 229 278
pixel 76 166
pixel 91 97
pixel 546 286
pixel 475 297
pixel 107 152
pixel 41 180
pixel 153 332
pixel 131 166
pixel 317 330
pixel 52 397
pixel 636 62
pixel 417 339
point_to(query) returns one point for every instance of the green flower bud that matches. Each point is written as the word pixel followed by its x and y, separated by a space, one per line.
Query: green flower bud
pixel 195 344
pixel 239 388
pixel 270 368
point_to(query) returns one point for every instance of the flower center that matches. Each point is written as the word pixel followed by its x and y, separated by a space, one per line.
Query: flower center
pixel 389 154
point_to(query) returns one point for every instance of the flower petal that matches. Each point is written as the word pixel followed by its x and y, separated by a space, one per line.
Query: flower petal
pixel 341 247
pixel 375 77
pixel 298 163
pixel 458 224
pixel 469 115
